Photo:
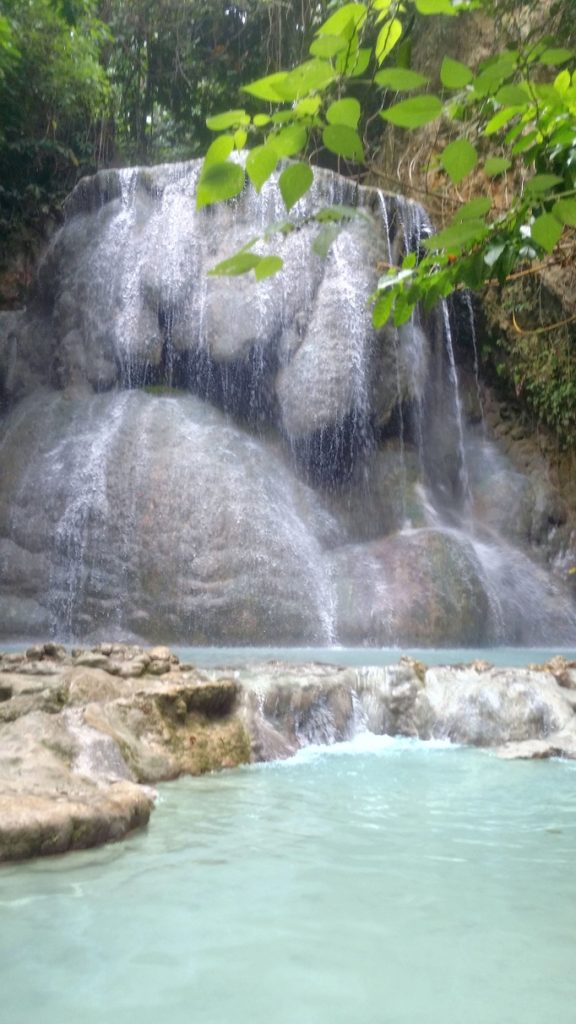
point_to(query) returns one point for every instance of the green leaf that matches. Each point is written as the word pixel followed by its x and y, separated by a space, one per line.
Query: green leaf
pixel 454 74
pixel 328 46
pixel 500 119
pixel 308 107
pixel 403 309
pixel 564 137
pixel 542 183
pixel 326 236
pixel 240 137
pixel 294 182
pixel 356 63
pixel 565 211
pixel 472 271
pixel 260 120
pixel 400 79
pixel 457 236
pixel 555 56
pixel 388 36
pixel 267 88
pixel 512 96
pixel 260 164
pixel 346 61
pixel 478 207
pixel 435 7
pixel 545 92
pixel 546 231
pixel 394 278
pixel 496 165
pixel 219 182
pixel 267 266
pixel 346 20
pixel 493 253
pixel 526 142
pixel 240 263
pixel 218 151
pixel 513 133
pixel 290 141
pixel 344 141
pixel 562 82
pixel 382 309
pixel 413 112
pixel 345 111
pixel 459 158
pixel 279 227
pixel 229 119
pixel 338 212
pixel 489 81
pixel 503 63
pixel 311 76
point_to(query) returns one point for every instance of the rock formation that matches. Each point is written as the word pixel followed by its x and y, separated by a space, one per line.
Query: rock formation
pixel 191 459
pixel 85 734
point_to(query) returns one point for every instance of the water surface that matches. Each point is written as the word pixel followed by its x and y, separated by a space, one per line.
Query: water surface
pixel 375 882
pixel 502 657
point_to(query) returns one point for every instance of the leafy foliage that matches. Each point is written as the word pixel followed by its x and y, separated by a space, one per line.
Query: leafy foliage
pixel 522 99
pixel 53 93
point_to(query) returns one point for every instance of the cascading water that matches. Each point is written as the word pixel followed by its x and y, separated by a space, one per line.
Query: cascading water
pixel 214 461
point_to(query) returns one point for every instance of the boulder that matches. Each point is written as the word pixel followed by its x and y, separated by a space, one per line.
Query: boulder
pixel 490 708
pixel 76 746
pixel 422 587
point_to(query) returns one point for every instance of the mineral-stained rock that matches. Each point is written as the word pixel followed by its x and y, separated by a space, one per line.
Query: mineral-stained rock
pixel 92 684
pixel 47 807
pixel 92 659
pixel 564 671
pixel 165 732
pixel 160 653
pixel 424 586
pixel 76 743
pixel 159 668
pixel 559 744
pixel 44 824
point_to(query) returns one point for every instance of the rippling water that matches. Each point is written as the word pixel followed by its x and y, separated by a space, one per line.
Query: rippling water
pixel 376 882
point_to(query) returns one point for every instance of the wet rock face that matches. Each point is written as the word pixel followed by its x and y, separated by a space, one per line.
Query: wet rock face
pixel 195 459
pixel 160 515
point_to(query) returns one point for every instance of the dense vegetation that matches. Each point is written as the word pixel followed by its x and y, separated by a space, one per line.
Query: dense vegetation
pixel 88 83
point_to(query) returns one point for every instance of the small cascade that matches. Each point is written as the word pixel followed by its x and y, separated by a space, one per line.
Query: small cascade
pixel 208 460
pixel 464 484
pixel 476 363
pixel 284 714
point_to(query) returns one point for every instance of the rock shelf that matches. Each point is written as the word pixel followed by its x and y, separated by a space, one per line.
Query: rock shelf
pixel 85 733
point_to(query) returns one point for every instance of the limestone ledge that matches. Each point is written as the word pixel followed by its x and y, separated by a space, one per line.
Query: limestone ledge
pixel 85 733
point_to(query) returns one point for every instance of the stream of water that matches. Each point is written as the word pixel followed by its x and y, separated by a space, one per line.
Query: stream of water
pixel 378 881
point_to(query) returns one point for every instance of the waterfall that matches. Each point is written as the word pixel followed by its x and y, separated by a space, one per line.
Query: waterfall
pixel 205 460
